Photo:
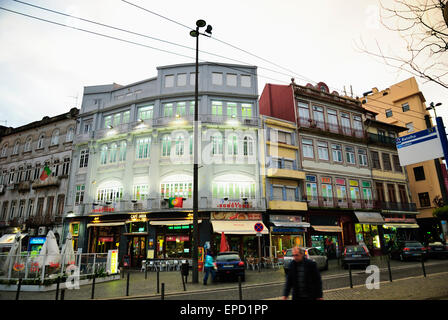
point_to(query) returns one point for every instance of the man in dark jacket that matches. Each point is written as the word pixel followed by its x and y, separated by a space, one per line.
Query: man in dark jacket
pixel 303 278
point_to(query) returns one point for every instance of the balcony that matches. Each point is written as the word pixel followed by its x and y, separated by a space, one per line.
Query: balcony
pixel 327 202
pixel 381 139
pixel 396 206
pixel 24 186
pixel 330 128
pixel 285 174
pixel 230 120
pixel 47 183
pixel 288 205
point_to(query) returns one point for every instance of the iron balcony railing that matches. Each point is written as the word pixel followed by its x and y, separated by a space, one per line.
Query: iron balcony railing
pixel 330 127
pixel 377 138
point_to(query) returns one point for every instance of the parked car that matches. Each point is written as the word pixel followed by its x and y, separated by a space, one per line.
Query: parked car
pixel 356 255
pixel 405 250
pixel 229 264
pixel 437 250
pixel 310 253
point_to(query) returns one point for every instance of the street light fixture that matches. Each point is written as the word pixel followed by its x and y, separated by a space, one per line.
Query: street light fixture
pixel 433 107
pixel 195 34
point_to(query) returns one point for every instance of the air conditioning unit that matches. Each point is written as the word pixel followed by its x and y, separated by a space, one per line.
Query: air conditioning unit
pixel 138 206
pixel 42 231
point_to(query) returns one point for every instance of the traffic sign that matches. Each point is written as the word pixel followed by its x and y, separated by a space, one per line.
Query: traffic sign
pixel 258 227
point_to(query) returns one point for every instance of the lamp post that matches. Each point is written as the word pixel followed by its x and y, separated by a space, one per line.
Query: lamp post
pixel 433 107
pixel 195 34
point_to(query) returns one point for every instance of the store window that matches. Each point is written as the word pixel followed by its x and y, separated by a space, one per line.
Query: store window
pixel 368 234
pixel 341 190
pixel 311 187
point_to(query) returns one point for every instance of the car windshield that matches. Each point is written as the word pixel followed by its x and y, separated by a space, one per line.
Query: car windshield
pixel 413 244
pixel 288 253
pixel 227 258
pixel 356 249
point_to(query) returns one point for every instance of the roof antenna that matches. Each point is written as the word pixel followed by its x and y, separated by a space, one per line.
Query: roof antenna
pixel 351 91
pixel 345 91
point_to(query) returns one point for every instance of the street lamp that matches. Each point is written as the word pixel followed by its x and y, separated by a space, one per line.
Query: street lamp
pixel 433 107
pixel 195 34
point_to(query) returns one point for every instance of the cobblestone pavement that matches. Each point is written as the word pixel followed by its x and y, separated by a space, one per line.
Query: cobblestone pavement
pixel 434 286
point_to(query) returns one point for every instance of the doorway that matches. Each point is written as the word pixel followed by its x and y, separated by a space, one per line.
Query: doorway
pixel 137 250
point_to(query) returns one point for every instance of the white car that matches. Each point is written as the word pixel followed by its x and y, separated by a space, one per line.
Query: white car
pixel 310 253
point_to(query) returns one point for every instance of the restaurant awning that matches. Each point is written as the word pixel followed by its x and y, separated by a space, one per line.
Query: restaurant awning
pixel 401 225
pixel 172 222
pixel 291 224
pixel 374 218
pixel 105 224
pixel 237 227
pixel 327 228
pixel 8 239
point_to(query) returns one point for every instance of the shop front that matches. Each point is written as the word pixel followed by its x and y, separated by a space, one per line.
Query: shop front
pixel 287 231
pixel 400 229
pixel 136 232
pixel 369 231
pixel 104 235
pixel 239 231
pixel 326 234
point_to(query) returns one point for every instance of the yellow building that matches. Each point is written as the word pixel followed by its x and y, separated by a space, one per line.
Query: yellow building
pixel 282 184
pixel 403 104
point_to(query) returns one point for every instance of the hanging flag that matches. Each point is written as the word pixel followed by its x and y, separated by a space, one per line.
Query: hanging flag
pixel 45 174
pixel 176 202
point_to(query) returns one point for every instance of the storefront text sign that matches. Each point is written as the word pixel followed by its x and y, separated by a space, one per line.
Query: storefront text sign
pixel 235 216
pixel 112 261
pixel 234 204
pixel 400 220
pixel 103 209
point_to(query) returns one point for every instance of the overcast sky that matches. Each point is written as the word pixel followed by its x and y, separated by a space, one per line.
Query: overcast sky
pixel 44 67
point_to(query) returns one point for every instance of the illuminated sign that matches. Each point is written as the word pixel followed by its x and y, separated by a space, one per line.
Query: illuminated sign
pixel 138 217
pixel 103 209
pixel 234 204
pixel 112 261
pixel 38 240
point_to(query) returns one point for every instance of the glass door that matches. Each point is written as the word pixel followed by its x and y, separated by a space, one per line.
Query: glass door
pixel 137 249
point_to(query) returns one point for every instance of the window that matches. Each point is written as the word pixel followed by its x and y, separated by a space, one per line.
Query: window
pixel 16 148
pixel 248 146
pixel 179 145
pixel 69 135
pixel 231 79
pixel 388 113
pixel 110 194
pixel 217 147
pixel 232 145
pixel 87 127
pixel 367 191
pixel 54 138
pixel 181 79
pixel 126 116
pixel 192 103
pixel 424 199
pixel 113 153
pixel 30 208
pixel 176 189
pixel 304 112
pixel 12 210
pixel 193 78
pixel 332 120
pixel 405 107
pixel 357 123
pixel 410 126
pixel 322 151
pixel 345 122
pixel 233 187
pixel 354 190
pixel 217 78
pixel 66 166
pixel 169 81
pixel 145 112
pixel 232 109
pixel 84 158
pixel 277 193
pixel 140 192
pixel 166 146
pixel 318 115
pixel 4 150
pixel 311 188
pixel 168 110
pixel 386 162
pixel 375 160
pixel 396 160
pixel 336 151
pixel 180 109
pixel 341 190
pixel 362 156
pixel 40 142
pixel 107 121
pixel 60 205
pixel 217 108
pixel 307 148
pixel 4 210
pixel 28 144
pixel 246 110
pixel 327 190
pixel 143 148
pixel 246 81
pixel 21 208
pixel 284 137
pixel 290 194
pixel 122 154
pixel 79 194
pixel 103 155
pixel 116 120
pixel 419 173
pixel 350 155
pixel 36 171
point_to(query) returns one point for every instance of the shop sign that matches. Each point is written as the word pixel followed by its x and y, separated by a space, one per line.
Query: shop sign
pixel 311 178
pixel 112 261
pixel 273 218
pixel 38 240
pixel 340 182
pixel 366 184
pixel 353 183
pixel 103 209
pixel 138 218
pixel 177 238
pixel 285 230
pixel 400 220
pixel 106 239
pixel 326 180
pixel 235 216
pixel 234 204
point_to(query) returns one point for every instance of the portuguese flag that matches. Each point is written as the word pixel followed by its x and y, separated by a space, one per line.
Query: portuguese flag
pixel 45 174
pixel 176 202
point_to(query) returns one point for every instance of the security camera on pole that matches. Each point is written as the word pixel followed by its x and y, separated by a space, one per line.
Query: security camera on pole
pixel 196 33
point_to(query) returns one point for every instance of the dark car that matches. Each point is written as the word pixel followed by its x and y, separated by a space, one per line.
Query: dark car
pixel 357 255
pixel 405 250
pixel 230 265
pixel 437 250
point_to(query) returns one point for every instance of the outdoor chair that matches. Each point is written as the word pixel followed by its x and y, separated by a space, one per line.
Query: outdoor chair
pixel 143 269
pixel 152 266
pixel 275 263
pixel 176 265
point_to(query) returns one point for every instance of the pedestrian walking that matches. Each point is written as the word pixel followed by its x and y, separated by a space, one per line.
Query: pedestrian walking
pixel 303 278
pixel 209 267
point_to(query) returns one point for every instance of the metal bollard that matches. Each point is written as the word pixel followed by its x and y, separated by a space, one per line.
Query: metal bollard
pixel 93 287
pixel 423 266
pixel 62 294
pixel 163 291
pixel 183 281
pixel 350 273
pixel 158 287
pixel 58 280
pixel 390 271
pixel 19 285
pixel 146 272
pixel 240 290
pixel 127 284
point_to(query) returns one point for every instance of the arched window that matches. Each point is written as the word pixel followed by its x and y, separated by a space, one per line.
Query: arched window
pixel 103 156
pixel 217 146
pixel 232 145
pixel 28 144
pixel 122 156
pixel 166 146
pixel 55 137
pixel 110 191
pixel 179 145
pixel 178 185
pixel 69 135
pixel 143 146
pixel 248 146
pixel 4 150
pixel 40 141
pixel 16 147
pixel 233 186
pixel 113 153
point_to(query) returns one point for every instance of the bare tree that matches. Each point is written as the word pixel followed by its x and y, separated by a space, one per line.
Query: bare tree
pixel 423 26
